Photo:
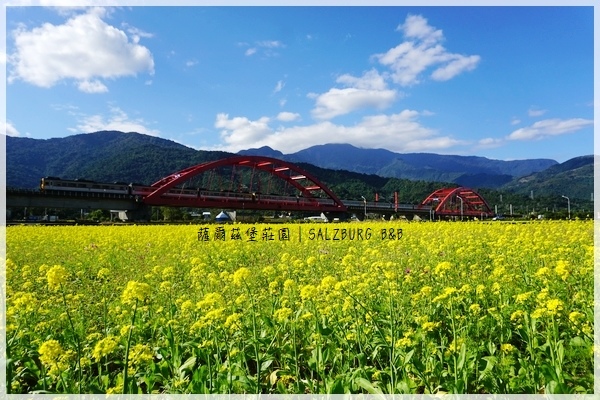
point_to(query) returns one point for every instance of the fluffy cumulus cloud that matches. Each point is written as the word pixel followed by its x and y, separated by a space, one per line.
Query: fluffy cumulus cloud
pixel 240 132
pixel 10 130
pixel 550 127
pixel 370 90
pixel 422 51
pixel 286 116
pixel 118 120
pixel 397 132
pixel 85 49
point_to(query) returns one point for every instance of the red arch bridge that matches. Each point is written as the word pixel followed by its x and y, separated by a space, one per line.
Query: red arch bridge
pixel 242 183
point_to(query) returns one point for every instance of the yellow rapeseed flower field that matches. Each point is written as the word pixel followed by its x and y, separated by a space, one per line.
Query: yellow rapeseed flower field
pixel 370 307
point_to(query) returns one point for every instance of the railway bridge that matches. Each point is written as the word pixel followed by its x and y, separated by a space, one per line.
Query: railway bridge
pixel 243 183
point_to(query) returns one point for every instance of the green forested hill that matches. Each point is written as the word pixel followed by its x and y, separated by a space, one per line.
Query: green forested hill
pixel 106 156
pixel 573 178
pixel 131 157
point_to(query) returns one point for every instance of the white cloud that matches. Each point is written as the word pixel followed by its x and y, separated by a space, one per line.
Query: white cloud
pixel 84 48
pixel 536 112
pixel 94 86
pixel 117 121
pixel 240 131
pixel 397 132
pixel 271 44
pixel 279 86
pixel 457 65
pixel 515 121
pixel 550 127
pixel 267 47
pixel 489 143
pixel 10 130
pixel 422 50
pixel 287 116
pixel 136 33
pixel 367 91
pixel 370 80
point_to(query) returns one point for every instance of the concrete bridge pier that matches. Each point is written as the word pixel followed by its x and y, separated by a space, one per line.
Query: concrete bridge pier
pixel 142 213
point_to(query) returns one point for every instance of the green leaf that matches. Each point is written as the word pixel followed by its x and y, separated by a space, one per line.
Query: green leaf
pixel 337 387
pixel 266 364
pixel 368 386
pixel 188 364
pixel 462 356
pixel 408 356
pixel 273 377
pixel 577 341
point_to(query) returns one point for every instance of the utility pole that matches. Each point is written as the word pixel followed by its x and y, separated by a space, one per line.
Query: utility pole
pixel 568 205
pixel 461 207
pixel 365 201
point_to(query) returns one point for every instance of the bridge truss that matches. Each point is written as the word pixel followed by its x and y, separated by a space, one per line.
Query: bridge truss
pixel 456 202
pixel 244 182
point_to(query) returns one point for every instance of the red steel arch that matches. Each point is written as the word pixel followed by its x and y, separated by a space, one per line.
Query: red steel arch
pixel 447 201
pixel 306 183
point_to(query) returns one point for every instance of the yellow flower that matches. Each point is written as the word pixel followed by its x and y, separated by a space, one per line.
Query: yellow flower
pixel 475 308
pixel 168 273
pixel 240 276
pixel 542 295
pixel 575 316
pixel 104 347
pixel 135 291
pixel 103 273
pixel 442 267
pixel 517 315
pixel 429 326
pixel 57 276
pixel 542 272
pixel 507 348
pixel 455 346
pixel 538 313
pixel 562 270
pixel 187 307
pixel 465 288
pixel 140 354
pixel 233 321
pixel 50 352
pixel 282 314
pixel 328 282
pixel 522 297
pixel 554 306
pixel 479 289
pixel 425 290
pixel 308 292
pixel 445 294
pixel 496 288
pixel 289 284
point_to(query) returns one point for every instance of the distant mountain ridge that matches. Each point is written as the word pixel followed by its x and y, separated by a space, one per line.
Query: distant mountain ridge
pixel 132 157
pixel 573 178
pixel 103 156
pixel 471 170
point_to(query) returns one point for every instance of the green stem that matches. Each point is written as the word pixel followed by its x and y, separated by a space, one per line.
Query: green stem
pixel 125 371
pixel 392 350
pixel 75 337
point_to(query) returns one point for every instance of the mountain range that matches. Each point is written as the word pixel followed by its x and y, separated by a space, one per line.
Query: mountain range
pixel 109 156
pixel 462 170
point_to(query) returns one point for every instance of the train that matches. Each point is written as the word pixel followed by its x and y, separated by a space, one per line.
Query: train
pixel 54 185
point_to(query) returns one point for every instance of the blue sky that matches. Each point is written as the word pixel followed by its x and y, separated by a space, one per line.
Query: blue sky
pixel 499 82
